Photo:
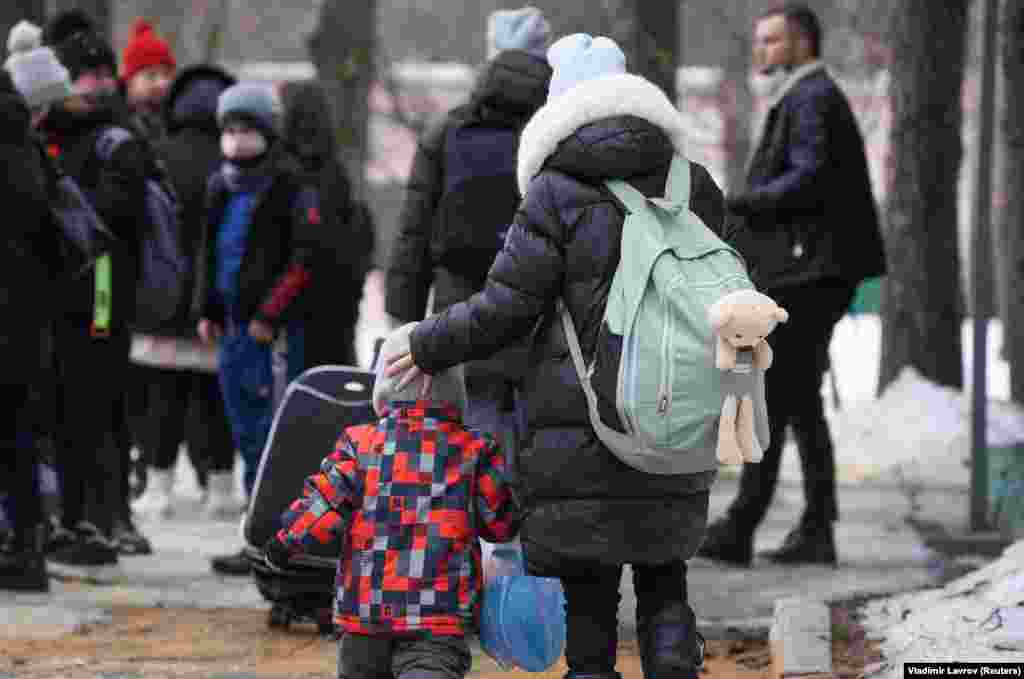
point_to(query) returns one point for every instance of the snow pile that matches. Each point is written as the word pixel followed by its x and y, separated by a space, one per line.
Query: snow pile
pixel 919 432
pixel 978 618
pixel 916 432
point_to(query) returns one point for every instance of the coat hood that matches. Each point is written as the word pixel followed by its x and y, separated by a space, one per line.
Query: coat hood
pixel 308 129
pixel 511 87
pixel 614 126
pixel 192 100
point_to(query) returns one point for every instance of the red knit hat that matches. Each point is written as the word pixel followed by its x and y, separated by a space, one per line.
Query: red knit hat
pixel 144 49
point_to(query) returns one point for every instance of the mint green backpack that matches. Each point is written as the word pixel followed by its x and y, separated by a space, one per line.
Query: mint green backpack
pixel 669 392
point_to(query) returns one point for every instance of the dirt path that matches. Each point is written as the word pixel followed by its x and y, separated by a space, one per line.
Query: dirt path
pixel 194 644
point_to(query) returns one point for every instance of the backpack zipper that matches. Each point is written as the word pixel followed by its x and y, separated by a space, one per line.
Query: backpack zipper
pixel 664 390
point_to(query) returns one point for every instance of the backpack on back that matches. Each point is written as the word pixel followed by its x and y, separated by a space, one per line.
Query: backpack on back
pixel 479 198
pixel 163 266
pixel 668 392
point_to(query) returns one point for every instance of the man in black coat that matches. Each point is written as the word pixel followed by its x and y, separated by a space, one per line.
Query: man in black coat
pixel 808 227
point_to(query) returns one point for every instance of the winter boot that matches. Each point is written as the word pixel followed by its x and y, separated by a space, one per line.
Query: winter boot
pixel 808 543
pixel 158 500
pixel 221 503
pixel 728 541
pixel 23 567
pixel 670 645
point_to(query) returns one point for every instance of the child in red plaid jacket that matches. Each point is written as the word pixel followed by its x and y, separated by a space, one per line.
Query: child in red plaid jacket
pixel 405 500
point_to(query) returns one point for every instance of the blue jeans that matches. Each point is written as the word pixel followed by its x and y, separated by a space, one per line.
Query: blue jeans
pixel 247 383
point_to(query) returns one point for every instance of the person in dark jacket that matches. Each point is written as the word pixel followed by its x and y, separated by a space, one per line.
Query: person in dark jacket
pixel 28 296
pixel 93 333
pixel 262 237
pixel 461 197
pixel 347 241
pixel 184 402
pixel 808 226
pixel 586 512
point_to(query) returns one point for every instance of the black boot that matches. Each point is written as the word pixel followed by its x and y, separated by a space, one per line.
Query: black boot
pixel 23 568
pixel 670 645
pixel 808 543
pixel 729 542
pixel 231 564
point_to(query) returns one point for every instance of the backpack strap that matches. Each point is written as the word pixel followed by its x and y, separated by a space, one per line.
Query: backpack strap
pixel 109 139
pixel 677 188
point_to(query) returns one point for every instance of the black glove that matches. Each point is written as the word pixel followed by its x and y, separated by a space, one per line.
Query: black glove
pixel 276 555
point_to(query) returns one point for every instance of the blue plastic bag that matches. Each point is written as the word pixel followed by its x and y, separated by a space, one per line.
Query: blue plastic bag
pixel 522 618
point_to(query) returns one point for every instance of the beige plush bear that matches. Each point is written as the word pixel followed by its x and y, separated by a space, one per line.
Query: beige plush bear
pixel 741 320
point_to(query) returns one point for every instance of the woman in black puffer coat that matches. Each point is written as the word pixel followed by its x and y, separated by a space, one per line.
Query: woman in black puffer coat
pixel 586 513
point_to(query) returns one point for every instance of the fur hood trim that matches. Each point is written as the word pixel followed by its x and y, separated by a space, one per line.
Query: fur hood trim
pixel 588 102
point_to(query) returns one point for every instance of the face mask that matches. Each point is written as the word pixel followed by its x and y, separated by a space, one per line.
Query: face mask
pixel 767 84
pixel 242 145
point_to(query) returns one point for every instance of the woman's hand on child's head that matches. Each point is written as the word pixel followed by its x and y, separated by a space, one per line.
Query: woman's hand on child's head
pixel 403 363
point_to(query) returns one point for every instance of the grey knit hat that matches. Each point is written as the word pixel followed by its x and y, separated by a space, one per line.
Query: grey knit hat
pixel 37 74
pixel 446 386
pixel 518 29
pixel 256 104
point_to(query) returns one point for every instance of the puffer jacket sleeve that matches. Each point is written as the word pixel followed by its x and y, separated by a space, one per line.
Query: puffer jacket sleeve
pixel 410 270
pixel 525 280
pixel 280 301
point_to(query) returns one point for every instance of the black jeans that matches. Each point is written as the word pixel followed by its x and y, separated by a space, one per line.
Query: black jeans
pixel 93 373
pixel 365 657
pixel 592 610
pixel 21 459
pixel 186 407
pixel 793 394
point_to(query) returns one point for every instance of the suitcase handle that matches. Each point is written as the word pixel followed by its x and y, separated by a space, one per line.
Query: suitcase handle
pixel 378 344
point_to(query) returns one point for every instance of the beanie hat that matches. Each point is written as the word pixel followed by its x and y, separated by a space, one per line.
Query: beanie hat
pixel 448 385
pixel 579 57
pixel 256 104
pixel 36 73
pixel 144 50
pixel 517 29
pixel 73 37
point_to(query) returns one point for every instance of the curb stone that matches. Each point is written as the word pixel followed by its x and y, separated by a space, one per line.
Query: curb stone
pixel 801 639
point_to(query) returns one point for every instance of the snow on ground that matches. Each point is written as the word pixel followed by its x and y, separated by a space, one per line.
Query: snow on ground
pixel 978 618
pixel 917 430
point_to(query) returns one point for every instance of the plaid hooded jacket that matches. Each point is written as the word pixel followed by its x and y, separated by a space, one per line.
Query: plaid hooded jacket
pixel 400 499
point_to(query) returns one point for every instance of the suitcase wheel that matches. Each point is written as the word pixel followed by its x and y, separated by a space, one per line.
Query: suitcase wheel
pixel 279 617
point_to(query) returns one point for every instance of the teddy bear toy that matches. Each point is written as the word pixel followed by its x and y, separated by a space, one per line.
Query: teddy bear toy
pixel 741 320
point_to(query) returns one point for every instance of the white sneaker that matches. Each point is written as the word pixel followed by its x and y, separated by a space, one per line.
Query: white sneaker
pixel 158 500
pixel 221 503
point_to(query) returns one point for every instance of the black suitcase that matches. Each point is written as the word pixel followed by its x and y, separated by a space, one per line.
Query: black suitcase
pixel 317 406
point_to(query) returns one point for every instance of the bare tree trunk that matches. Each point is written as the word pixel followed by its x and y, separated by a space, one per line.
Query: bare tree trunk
pixel 737 108
pixel 1011 231
pixel 922 302
pixel 13 11
pixel 648 33
pixel 342 48
pixel 98 10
